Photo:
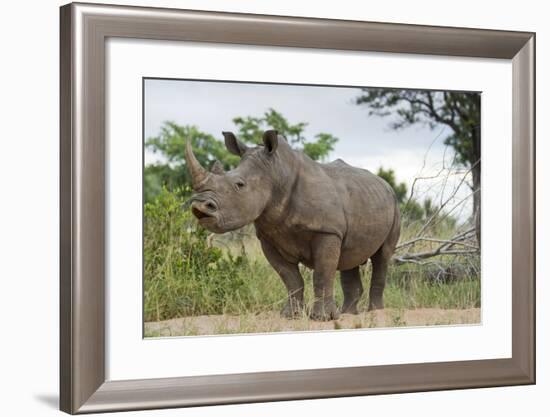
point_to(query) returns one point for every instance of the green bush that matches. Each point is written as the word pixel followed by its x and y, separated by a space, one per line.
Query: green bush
pixel 184 275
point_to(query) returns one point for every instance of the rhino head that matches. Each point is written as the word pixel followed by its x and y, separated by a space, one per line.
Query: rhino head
pixel 225 201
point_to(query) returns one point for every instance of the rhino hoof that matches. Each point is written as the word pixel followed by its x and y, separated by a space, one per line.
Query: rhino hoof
pixel 324 311
pixel 376 305
pixel 349 309
pixel 292 309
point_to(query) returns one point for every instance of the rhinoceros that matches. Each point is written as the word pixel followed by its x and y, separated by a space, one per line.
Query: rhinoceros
pixel 327 217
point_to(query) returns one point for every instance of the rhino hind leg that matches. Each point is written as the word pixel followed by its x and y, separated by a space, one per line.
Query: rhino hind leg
pixel 352 288
pixel 380 261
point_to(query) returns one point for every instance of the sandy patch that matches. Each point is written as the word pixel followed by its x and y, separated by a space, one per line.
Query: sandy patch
pixel 273 322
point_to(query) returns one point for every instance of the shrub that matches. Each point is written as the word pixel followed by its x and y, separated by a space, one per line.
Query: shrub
pixel 184 275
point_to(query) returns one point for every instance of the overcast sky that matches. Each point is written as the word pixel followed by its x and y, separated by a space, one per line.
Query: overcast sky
pixel 364 141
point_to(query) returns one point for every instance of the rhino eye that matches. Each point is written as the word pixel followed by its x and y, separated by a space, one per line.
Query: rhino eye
pixel 239 184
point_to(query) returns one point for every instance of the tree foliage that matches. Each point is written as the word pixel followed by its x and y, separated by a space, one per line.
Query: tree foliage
pixel 170 170
pixel 400 189
pixel 251 129
pixel 457 110
pixel 460 111
pixel 411 210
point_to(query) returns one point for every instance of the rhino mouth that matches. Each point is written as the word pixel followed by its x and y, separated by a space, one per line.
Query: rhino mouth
pixel 200 214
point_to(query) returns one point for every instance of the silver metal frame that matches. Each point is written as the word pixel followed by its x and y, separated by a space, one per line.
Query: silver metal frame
pixel 84 30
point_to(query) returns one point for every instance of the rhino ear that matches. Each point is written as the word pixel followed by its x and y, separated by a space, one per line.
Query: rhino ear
pixel 271 140
pixel 234 145
pixel 217 168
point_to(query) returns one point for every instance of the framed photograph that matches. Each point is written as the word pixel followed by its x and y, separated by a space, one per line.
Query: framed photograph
pixel 264 208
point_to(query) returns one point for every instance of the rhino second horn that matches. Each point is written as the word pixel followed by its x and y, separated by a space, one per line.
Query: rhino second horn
pixel 198 173
pixel 217 168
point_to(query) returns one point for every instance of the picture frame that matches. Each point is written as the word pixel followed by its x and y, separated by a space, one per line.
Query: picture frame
pixel 84 29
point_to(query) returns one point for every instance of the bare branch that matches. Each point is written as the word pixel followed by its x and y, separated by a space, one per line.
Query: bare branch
pixel 423 165
pixel 448 243
pixel 446 247
pixel 415 257
pixel 436 213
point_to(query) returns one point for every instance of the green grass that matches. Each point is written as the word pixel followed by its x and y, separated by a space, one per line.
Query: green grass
pixel 187 273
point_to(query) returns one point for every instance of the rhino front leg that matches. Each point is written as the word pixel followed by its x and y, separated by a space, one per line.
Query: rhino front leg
pixel 326 253
pixel 290 274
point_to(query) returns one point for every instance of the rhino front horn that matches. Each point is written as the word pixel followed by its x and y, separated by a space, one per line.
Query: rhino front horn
pixel 198 173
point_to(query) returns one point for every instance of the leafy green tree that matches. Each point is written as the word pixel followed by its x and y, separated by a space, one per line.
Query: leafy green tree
pixel 319 150
pixel 429 208
pixel 411 209
pixel 400 189
pixel 251 130
pixel 457 110
pixel 170 170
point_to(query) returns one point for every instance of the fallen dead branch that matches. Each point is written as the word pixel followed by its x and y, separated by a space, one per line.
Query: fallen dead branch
pixel 463 244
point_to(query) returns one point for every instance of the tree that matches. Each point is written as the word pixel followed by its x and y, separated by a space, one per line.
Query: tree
pixel 411 209
pixel 251 130
pixel 389 176
pixel 459 111
pixel 170 170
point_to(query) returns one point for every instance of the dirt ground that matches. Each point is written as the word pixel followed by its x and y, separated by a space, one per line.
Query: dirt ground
pixel 273 322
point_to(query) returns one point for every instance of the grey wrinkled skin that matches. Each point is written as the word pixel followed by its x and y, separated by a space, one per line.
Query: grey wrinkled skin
pixel 328 217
